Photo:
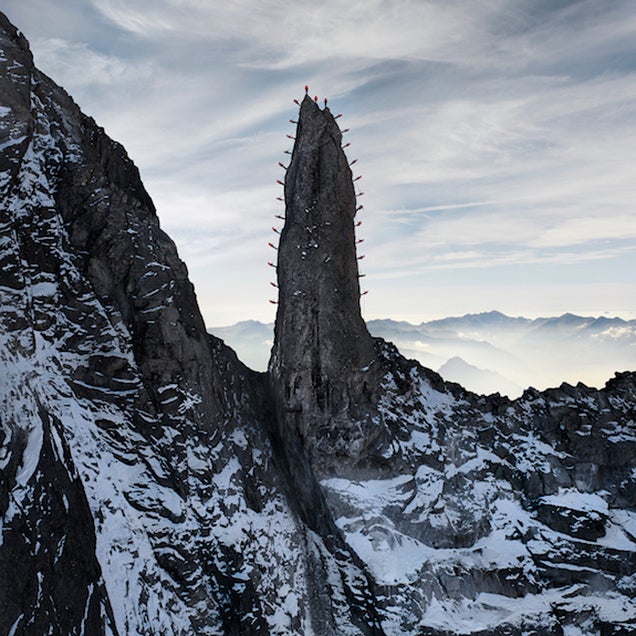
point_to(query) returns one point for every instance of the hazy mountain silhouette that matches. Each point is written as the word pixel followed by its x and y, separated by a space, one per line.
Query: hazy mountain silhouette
pixel 523 352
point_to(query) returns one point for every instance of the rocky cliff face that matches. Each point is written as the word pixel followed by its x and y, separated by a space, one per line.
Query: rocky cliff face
pixel 151 484
pixel 322 348
pixel 139 492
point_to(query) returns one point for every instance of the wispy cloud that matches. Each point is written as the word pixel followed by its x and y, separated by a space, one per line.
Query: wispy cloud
pixel 305 32
pixel 76 64
pixel 494 136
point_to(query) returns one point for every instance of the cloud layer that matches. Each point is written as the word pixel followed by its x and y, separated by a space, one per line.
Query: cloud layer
pixel 496 138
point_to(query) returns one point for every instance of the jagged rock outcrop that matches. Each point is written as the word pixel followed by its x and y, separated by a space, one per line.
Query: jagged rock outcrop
pixel 139 490
pixel 511 516
pixel 319 367
pixel 465 509
pixel 151 484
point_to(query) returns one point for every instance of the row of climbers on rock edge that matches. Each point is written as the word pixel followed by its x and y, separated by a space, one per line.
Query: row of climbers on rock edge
pixel 282 183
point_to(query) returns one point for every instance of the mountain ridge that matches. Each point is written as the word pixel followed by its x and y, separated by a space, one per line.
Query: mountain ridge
pixel 594 348
pixel 150 483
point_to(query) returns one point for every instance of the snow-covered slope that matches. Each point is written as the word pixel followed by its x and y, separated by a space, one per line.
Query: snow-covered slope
pixel 137 487
pixel 152 484
pixel 506 517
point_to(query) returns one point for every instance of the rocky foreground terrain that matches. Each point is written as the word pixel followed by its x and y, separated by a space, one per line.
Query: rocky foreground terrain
pixel 152 484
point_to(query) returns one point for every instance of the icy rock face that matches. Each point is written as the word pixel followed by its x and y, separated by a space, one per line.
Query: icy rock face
pixel 151 484
pixel 139 489
pixel 472 514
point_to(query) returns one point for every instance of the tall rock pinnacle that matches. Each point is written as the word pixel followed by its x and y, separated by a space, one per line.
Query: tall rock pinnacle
pixel 321 341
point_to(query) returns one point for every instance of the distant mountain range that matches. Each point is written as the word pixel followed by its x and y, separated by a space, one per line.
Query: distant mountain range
pixel 487 352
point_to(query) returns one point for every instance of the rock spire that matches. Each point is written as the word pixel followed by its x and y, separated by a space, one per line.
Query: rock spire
pixel 321 341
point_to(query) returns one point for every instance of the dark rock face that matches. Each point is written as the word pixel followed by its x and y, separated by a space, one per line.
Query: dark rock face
pixel 319 309
pixel 151 484
pixel 322 348
pixel 139 488
pixel 51 575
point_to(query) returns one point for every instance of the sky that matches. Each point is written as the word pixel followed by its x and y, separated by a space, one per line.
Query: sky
pixel 495 139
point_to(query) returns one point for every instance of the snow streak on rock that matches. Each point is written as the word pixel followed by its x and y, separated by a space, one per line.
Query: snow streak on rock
pixel 138 493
